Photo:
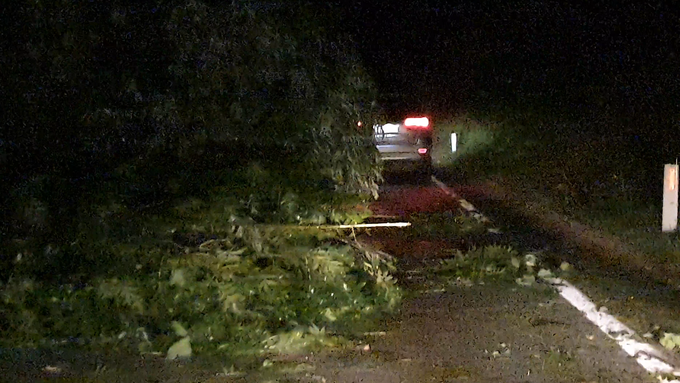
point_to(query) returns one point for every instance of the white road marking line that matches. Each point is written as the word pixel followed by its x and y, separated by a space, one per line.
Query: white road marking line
pixel 647 355
pixel 463 203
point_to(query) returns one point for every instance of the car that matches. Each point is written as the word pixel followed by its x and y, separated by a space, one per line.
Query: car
pixel 408 141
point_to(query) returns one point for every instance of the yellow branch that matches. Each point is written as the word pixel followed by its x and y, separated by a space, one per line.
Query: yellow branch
pixel 336 227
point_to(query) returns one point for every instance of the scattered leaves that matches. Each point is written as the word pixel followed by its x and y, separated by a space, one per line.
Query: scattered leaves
pixel 670 341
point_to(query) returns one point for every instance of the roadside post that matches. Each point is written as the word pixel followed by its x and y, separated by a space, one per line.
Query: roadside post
pixel 669 221
pixel 454 142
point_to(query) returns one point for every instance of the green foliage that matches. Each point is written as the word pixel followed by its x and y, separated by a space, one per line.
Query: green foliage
pixel 226 284
pixel 136 105
pixel 576 167
pixel 670 341
pixel 473 138
pixel 490 261
pixel 155 140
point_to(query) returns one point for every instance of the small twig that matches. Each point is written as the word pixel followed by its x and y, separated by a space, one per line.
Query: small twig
pixel 366 225
pixel 205 244
pixel 366 248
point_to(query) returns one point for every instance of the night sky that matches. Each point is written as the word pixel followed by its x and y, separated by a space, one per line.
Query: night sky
pixel 578 56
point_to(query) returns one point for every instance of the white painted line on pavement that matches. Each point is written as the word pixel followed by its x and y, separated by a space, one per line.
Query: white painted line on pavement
pixel 463 203
pixel 647 355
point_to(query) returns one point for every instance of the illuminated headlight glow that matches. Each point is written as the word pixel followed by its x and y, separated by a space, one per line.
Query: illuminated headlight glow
pixel 390 128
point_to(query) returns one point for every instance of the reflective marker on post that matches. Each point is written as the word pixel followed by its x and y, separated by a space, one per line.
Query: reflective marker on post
pixel 669 220
pixel 454 142
pixel 674 178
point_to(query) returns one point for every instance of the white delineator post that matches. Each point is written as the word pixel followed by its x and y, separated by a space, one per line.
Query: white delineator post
pixel 669 221
pixel 454 142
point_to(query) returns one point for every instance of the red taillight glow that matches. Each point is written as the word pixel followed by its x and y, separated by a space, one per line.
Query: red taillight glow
pixel 422 150
pixel 417 122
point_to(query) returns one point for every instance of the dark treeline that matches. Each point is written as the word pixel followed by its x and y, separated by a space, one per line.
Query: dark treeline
pixel 142 102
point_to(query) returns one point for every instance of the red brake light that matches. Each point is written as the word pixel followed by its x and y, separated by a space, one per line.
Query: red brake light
pixel 417 122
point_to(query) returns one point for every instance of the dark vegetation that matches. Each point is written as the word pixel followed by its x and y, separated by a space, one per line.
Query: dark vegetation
pixel 161 162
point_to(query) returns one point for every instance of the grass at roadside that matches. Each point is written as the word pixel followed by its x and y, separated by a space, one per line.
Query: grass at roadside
pixel 471 137
pixel 600 180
